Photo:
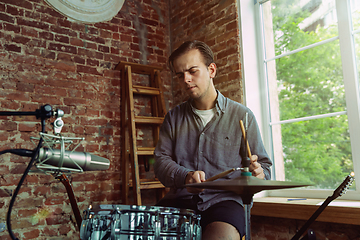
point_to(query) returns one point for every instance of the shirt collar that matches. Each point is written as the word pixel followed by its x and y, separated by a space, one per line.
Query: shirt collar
pixel 220 102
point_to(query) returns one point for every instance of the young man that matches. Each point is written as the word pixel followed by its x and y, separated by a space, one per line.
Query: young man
pixel 200 139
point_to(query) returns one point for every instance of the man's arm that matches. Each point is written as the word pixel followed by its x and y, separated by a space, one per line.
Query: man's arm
pixel 260 162
pixel 166 169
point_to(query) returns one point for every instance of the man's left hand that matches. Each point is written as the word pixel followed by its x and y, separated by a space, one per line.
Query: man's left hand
pixel 255 167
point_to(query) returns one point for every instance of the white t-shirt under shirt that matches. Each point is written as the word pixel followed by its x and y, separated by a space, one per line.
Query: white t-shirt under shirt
pixel 205 115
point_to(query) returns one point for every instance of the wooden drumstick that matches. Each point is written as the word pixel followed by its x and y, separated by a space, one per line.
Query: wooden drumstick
pixel 222 174
pixel 245 137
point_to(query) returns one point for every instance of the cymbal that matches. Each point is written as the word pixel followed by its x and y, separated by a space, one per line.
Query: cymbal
pixel 246 185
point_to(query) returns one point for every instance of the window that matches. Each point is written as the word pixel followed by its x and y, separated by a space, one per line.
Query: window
pixel 301 81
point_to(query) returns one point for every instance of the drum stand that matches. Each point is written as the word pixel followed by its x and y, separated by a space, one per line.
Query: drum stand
pixel 247 206
pixel 246 186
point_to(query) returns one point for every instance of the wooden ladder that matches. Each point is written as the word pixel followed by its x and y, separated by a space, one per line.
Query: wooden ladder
pixel 131 122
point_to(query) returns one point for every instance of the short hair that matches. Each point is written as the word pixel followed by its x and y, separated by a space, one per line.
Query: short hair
pixel 204 49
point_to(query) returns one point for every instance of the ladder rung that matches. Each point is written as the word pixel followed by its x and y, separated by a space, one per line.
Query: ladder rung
pixel 138 68
pixel 145 90
pixel 151 120
pixel 145 150
pixel 151 186
pixel 148 181
pixel 148 184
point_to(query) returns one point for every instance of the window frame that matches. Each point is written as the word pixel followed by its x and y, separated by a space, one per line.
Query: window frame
pixel 257 97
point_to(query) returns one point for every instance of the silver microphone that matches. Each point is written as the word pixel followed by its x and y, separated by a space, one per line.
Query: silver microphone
pixel 72 159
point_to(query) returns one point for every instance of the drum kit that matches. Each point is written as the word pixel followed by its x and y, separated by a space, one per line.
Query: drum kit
pixel 132 222
pixel 154 223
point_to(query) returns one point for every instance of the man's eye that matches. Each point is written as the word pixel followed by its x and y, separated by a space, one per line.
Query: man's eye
pixel 180 76
pixel 193 72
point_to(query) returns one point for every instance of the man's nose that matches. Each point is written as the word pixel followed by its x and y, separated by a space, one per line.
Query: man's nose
pixel 187 77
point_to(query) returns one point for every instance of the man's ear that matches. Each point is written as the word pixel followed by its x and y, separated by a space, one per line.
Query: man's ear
pixel 212 70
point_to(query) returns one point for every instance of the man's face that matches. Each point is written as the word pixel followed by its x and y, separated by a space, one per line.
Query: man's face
pixel 194 76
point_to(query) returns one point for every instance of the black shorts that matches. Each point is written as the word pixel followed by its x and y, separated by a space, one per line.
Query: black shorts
pixel 227 211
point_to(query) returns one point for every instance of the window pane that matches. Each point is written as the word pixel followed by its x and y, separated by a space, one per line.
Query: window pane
pixel 317 152
pixel 355 6
pixel 303 83
pixel 293 16
pixel 357 48
pixel 310 82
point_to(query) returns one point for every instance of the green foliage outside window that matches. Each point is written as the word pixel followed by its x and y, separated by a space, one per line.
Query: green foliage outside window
pixel 310 82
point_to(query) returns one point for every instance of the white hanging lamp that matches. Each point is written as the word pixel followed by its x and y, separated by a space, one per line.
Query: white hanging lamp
pixel 87 11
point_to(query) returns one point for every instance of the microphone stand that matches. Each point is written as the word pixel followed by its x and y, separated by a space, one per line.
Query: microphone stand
pixel 43 113
pixel 63 179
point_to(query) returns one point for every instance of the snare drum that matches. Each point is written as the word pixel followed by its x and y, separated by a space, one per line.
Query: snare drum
pixel 139 223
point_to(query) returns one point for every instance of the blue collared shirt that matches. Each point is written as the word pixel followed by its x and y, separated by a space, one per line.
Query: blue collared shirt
pixel 186 145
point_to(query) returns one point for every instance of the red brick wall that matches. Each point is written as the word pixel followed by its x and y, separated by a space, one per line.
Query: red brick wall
pixel 215 23
pixel 46 59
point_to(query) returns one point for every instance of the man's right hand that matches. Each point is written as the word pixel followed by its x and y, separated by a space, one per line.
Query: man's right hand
pixel 194 177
